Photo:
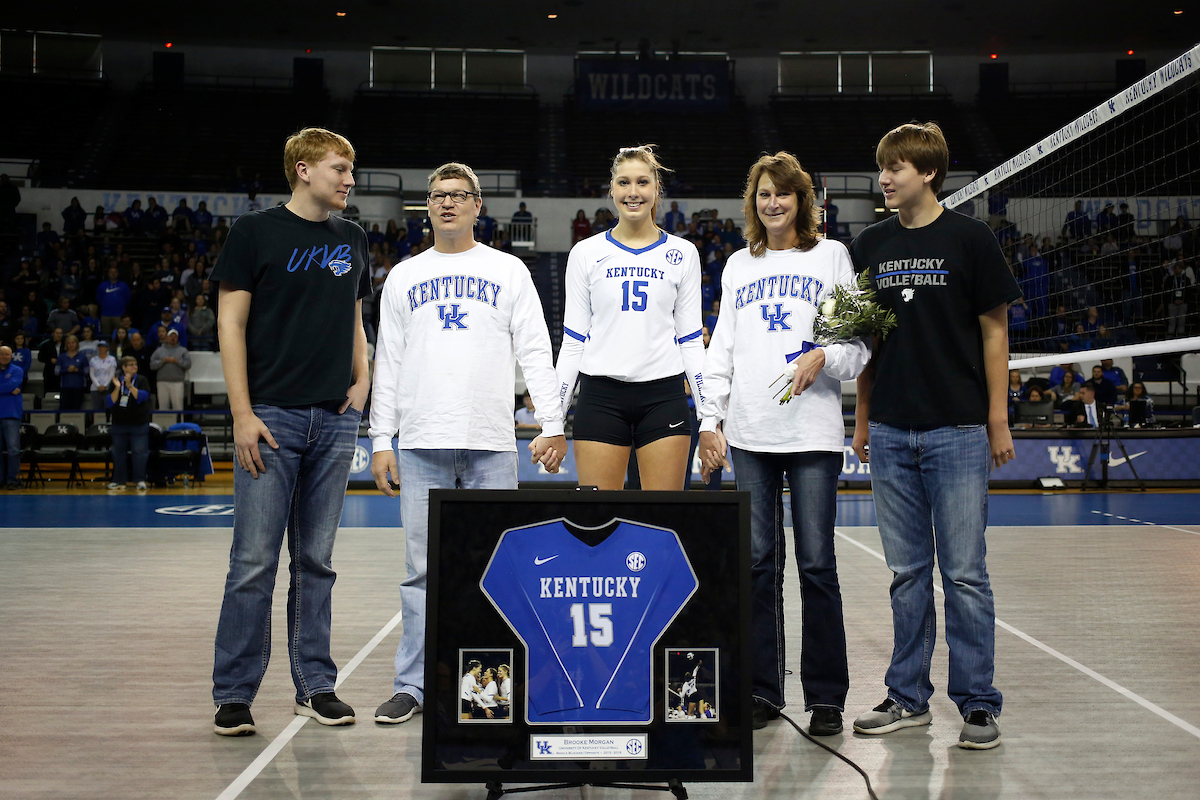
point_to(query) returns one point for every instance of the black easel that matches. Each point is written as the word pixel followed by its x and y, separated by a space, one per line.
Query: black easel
pixel 496 789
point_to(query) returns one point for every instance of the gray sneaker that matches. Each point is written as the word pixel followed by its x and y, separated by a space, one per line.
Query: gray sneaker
pixel 979 732
pixel 890 716
pixel 399 709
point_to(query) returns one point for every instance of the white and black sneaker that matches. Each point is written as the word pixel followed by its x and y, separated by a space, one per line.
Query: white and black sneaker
pixel 979 731
pixel 326 709
pixel 890 716
pixel 399 709
pixel 233 719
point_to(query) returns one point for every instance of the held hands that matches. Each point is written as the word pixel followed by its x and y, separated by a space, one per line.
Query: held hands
pixel 383 463
pixel 246 433
pixel 549 451
pixel 713 450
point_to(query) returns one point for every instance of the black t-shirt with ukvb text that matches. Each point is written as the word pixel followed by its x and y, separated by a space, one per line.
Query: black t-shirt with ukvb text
pixel 938 279
pixel 305 278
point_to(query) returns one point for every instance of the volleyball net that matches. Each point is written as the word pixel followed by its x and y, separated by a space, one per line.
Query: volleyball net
pixel 1099 223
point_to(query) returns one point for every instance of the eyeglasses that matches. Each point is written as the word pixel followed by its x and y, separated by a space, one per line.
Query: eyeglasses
pixel 437 198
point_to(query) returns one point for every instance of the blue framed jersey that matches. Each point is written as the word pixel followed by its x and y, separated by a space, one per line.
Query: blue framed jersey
pixel 589 616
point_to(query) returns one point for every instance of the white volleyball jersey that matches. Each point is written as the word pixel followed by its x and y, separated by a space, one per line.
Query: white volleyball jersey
pixel 768 305
pixel 452 327
pixel 632 315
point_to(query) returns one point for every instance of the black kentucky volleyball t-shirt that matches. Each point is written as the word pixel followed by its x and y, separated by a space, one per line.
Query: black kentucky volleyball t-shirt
pixel 305 278
pixel 938 279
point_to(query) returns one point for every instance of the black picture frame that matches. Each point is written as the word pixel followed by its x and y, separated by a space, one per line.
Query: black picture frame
pixel 713 531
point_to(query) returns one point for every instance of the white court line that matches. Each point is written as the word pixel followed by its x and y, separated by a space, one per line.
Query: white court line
pixel 1091 673
pixel 266 756
pixel 1155 524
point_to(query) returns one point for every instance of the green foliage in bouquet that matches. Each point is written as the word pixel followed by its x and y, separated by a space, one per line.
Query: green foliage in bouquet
pixel 852 313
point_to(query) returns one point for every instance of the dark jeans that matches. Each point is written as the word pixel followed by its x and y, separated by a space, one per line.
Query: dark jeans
pixel 71 399
pixel 123 436
pixel 812 478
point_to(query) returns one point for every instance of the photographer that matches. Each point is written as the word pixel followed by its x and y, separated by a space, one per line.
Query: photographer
pixel 129 402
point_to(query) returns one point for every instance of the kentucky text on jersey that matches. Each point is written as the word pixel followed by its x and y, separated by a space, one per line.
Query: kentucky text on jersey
pixel 470 287
pixel 634 272
pixel 804 287
pixel 321 255
pixel 599 586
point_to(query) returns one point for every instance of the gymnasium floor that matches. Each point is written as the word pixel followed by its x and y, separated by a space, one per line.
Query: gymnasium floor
pixel 110 603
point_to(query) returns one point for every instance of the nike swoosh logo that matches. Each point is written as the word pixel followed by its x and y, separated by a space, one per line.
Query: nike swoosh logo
pixel 539 561
pixel 1116 462
pixel 676 425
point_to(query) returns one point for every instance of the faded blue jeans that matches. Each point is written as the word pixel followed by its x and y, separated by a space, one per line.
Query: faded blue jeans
pixel 812 479
pixel 301 491
pixel 420 471
pixel 931 495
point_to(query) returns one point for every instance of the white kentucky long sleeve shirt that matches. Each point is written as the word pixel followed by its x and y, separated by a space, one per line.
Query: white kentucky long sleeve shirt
pixel 452 328
pixel 768 305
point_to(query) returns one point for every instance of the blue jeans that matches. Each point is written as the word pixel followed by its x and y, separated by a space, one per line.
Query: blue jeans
pixel 420 471
pixel 124 437
pixel 10 466
pixel 301 490
pixel 931 495
pixel 812 478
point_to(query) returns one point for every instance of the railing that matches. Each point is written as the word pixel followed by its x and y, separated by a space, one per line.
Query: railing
pixel 375 182
pixel 522 234
pixel 433 91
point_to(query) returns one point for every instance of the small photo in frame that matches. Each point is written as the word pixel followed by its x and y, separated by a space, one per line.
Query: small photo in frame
pixel 485 685
pixel 693 683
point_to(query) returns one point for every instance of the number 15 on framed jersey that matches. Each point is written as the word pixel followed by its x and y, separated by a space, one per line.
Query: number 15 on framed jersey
pixel 589 616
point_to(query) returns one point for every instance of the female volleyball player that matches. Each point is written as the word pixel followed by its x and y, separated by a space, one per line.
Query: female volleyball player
pixel 631 333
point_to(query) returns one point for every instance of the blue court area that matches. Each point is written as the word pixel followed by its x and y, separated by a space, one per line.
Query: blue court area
pixel 376 511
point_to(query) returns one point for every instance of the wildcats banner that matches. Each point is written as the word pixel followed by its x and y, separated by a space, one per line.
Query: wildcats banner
pixel 652 85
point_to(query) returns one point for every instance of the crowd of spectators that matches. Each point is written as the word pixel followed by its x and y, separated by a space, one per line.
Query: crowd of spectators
pixel 1107 394
pixel 110 285
pixel 1096 282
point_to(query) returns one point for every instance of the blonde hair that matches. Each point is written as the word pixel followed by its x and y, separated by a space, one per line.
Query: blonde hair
pixel 454 169
pixel 921 144
pixel 645 154
pixel 310 146
pixel 785 172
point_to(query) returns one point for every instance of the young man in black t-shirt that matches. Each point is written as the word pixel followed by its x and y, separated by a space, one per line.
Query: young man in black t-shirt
pixel 285 274
pixel 933 403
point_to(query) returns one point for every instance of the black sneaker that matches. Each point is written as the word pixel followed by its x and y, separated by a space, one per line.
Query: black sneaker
pixel 326 709
pixel 233 719
pixel 399 709
pixel 825 722
pixel 763 713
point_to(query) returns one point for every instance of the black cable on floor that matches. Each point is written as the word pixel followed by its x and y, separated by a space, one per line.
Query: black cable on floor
pixel 824 746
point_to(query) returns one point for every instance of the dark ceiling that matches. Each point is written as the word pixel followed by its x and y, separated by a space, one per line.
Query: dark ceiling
pixel 967 27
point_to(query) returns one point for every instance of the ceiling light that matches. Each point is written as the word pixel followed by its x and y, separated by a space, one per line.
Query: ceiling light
pixel 994 56
pixel 1128 52
pixel 341 13
pixel 168 44
pixel 552 16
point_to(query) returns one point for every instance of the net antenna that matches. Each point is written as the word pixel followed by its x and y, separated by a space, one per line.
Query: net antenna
pixel 1099 219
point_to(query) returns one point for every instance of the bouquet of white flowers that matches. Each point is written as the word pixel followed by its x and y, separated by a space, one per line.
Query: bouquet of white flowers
pixel 850 312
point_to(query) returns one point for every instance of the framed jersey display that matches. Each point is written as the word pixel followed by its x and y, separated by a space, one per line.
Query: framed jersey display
pixel 584 636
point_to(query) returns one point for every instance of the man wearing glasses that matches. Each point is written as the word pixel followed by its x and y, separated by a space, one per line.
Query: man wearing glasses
pixel 454 321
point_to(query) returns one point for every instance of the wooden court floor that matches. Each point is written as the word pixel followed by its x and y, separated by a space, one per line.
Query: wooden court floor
pixel 107 642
